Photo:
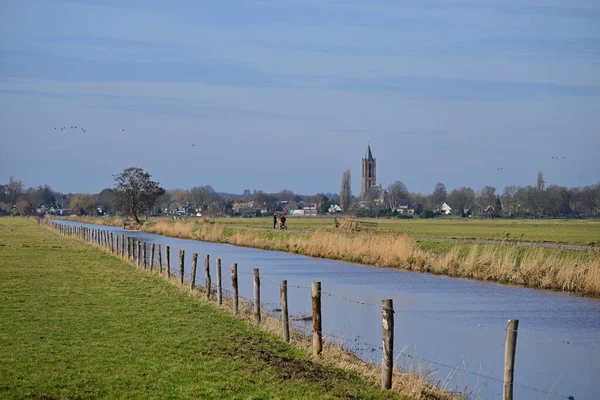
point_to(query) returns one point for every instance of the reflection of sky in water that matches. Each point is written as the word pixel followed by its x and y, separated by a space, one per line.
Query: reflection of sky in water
pixel 452 321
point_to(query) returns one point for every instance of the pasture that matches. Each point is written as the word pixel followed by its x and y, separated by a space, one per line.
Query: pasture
pixel 80 323
pixel 579 232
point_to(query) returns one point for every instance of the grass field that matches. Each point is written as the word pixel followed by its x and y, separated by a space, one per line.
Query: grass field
pixel 581 232
pixel 78 323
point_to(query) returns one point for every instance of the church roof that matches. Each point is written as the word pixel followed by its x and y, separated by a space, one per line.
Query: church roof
pixel 369 155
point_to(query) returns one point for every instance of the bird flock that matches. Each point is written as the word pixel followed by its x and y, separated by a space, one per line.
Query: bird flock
pixel 75 127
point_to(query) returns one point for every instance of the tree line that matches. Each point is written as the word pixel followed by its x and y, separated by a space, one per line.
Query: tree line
pixel 134 193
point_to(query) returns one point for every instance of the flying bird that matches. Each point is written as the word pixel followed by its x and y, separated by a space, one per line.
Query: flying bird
pixel 123 130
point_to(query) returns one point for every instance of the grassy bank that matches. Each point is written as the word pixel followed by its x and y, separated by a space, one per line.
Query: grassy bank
pixel 576 272
pixel 79 323
pixel 577 232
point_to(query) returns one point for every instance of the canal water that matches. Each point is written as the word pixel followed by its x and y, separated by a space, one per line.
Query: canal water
pixel 451 328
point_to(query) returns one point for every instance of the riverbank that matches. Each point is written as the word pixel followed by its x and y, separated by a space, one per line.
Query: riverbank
pixel 80 323
pixel 569 271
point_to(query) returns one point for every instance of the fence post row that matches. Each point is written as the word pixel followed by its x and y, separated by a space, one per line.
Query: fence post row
pixel 387 354
pixel 219 287
pixel 317 326
pixel 284 311
pixel 234 287
pixel 181 258
pixel 510 349
pixel 194 262
pixel 256 295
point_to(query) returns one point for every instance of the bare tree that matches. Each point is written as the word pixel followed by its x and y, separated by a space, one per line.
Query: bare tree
pixel 135 192
pixel 345 191
pixel 397 192
pixel 23 206
pixel 461 198
pixel 540 184
pixel 202 196
pixel 440 194
pixel 14 189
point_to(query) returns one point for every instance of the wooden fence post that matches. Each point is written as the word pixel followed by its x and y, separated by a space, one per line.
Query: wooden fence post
pixel 387 354
pixel 256 295
pixel 152 257
pixel 181 257
pixel 128 248
pixel 123 245
pixel 112 243
pixel 117 245
pixel 284 311
pixel 234 287
pixel 219 285
pixel 194 262
pixel 207 275
pixel 160 268
pixel 168 255
pixel 145 256
pixel 317 325
pixel 509 358
pixel 139 250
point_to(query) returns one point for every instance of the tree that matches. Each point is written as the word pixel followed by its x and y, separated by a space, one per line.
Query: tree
pixel 136 192
pixel 440 194
pixel 541 183
pixel 23 206
pixel 461 198
pixel 202 196
pixel 83 204
pixel 397 192
pixel 323 204
pixel 181 196
pixel 487 197
pixel 345 191
pixel 14 189
pixel 107 199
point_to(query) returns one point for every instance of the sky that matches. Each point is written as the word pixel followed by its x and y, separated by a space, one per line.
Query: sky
pixel 269 94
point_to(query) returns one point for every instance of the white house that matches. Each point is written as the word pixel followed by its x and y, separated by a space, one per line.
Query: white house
pixel 334 208
pixel 445 209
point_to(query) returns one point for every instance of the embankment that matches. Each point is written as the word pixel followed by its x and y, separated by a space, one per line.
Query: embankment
pixel 80 323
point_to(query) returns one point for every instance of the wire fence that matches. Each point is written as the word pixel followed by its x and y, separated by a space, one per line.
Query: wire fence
pixel 100 238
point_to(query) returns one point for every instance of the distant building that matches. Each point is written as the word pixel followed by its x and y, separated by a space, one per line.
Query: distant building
pixel 404 208
pixel 369 172
pixel 334 208
pixel 445 209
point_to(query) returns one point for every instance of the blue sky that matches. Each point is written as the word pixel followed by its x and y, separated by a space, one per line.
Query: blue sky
pixel 287 94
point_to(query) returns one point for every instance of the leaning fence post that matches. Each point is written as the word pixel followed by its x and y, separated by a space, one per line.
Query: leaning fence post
pixel 194 262
pixel 256 295
pixel 284 311
pixel 234 287
pixel 168 255
pixel 219 287
pixel 387 354
pixel 207 275
pixel 509 358
pixel 152 257
pixel 181 257
pixel 160 269
pixel 317 326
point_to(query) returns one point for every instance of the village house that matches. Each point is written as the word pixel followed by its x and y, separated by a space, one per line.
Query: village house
pixel 444 209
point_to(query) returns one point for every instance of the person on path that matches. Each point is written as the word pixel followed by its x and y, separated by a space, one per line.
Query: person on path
pixel 282 226
pixel 274 220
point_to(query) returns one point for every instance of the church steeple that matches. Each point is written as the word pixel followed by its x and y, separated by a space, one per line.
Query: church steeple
pixel 369 171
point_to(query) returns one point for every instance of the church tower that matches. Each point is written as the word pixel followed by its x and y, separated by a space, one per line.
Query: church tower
pixel 369 172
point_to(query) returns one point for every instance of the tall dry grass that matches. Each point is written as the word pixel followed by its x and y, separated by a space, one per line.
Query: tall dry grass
pixel 577 272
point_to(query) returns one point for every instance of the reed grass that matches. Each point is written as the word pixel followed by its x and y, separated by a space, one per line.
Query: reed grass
pixel 576 272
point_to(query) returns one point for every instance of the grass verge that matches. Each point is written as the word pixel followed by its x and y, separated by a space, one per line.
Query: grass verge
pixel 80 323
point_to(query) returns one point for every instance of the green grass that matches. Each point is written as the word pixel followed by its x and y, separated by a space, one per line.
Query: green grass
pixel 79 323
